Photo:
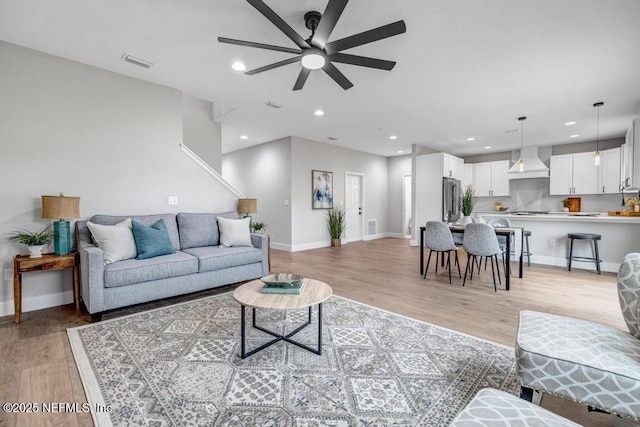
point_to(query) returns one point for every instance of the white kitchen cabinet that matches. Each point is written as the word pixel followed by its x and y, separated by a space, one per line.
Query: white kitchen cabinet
pixel 467 175
pixel 452 166
pixel 609 174
pixel 573 174
pixel 490 178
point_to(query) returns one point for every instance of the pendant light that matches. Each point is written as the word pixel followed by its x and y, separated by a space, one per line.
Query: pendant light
pixel 596 156
pixel 521 161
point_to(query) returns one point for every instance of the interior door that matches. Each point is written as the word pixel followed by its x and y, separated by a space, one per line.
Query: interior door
pixel 354 207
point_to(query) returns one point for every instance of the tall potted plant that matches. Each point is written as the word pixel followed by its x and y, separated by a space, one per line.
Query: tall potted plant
pixel 336 224
pixel 466 204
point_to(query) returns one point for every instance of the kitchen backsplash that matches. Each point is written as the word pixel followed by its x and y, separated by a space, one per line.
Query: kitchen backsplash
pixel 533 195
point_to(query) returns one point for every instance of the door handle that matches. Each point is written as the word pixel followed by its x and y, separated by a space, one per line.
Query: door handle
pixel 359 211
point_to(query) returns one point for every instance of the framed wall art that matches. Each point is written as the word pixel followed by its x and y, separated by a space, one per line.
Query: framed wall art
pixel 321 190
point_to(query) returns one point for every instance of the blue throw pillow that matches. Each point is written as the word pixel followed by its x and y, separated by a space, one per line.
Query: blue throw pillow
pixel 151 241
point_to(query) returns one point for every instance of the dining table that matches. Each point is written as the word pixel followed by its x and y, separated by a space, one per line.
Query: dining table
pixel 518 239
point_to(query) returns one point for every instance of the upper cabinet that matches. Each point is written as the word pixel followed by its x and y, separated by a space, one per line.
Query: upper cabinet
pixel 452 166
pixel 467 175
pixel 609 172
pixel 573 174
pixel 631 156
pixel 490 178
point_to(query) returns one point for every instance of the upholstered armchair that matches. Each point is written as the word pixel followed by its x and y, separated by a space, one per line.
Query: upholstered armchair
pixel 587 362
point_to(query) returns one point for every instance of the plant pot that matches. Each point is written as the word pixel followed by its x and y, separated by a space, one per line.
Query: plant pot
pixel 466 220
pixel 35 251
pixel 336 243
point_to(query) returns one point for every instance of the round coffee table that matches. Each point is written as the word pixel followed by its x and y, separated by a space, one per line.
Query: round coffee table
pixel 313 293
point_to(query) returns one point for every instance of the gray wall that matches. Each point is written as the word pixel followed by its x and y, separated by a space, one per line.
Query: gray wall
pixel 110 139
pixel 263 172
pixel 281 170
pixel 200 133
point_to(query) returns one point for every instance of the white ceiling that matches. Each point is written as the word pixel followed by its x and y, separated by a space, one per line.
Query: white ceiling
pixel 465 68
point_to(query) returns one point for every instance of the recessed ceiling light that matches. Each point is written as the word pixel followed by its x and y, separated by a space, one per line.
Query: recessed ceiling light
pixel 471 139
pixel 400 151
pixel 570 123
pixel 244 137
pixel 319 113
pixel 487 147
pixel 575 135
pixel 238 66
pixel 393 137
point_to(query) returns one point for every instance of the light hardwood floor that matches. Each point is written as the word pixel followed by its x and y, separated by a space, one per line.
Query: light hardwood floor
pixel 37 364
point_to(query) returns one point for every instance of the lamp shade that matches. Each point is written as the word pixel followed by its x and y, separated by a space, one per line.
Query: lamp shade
pixel 247 206
pixel 60 207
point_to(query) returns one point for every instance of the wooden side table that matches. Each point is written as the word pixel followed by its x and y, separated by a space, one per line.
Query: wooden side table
pixel 23 264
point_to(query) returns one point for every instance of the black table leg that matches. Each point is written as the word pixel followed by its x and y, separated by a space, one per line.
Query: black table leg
pixel 422 230
pixel 521 253
pixel 507 266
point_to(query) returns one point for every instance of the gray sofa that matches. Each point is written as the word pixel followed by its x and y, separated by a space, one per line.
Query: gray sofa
pixel 198 263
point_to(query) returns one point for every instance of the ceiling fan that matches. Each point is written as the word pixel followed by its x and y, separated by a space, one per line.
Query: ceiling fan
pixel 317 52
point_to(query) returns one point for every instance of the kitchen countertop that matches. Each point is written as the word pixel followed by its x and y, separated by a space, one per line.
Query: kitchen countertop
pixel 601 217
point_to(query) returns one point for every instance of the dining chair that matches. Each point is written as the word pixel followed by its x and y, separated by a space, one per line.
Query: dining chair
pixel 502 240
pixel 480 240
pixel 438 239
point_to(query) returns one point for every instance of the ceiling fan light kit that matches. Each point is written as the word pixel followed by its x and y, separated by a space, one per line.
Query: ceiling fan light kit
pixel 317 52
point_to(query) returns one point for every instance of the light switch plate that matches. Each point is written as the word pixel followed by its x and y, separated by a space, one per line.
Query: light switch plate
pixel 173 200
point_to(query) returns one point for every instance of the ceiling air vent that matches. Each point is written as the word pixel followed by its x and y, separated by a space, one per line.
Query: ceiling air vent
pixel 137 61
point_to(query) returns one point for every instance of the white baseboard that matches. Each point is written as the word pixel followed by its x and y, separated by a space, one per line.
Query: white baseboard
pixel 611 267
pixel 37 302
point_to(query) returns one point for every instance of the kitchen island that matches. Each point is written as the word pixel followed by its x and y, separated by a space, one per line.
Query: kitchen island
pixel 549 244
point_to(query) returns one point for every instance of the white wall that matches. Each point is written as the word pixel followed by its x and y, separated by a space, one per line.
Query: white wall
pixel 264 172
pixel 398 166
pixel 110 139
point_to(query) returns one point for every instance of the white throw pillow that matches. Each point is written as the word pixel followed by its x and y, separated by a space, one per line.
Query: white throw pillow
pixel 234 232
pixel 115 240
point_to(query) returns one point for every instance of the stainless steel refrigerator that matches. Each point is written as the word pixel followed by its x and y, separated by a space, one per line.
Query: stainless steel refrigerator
pixel 451 192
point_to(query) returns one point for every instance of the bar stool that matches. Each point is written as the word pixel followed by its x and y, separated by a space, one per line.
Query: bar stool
pixel 585 236
pixel 526 234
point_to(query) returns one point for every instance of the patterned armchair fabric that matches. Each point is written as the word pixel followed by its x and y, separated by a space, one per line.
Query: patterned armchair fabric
pixel 495 408
pixel 629 292
pixel 584 361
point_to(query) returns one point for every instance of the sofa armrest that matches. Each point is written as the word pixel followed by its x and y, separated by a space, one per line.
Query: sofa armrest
pixel 261 241
pixel 91 276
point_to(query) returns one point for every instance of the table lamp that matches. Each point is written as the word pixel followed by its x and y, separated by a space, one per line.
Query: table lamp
pixel 247 207
pixel 61 208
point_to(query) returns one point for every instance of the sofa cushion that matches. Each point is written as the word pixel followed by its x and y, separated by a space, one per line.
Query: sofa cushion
pixel 200 229
pixel 115 240
pixel 151 241
pixel 132 271
pixel 212 258
pixel 234 232
pixel 169 221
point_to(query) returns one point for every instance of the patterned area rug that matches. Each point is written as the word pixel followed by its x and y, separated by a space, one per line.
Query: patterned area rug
pixel 180 365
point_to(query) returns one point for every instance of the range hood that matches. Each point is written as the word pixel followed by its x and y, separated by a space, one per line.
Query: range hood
pixel 533 166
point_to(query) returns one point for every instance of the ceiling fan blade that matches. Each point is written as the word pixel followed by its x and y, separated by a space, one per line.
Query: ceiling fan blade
pixel 359 39
pixel 259 45
pixel 328 22
pixel 302 78
pixel 362 61
pixel 274 65
pixel 336 75
pixel 279 22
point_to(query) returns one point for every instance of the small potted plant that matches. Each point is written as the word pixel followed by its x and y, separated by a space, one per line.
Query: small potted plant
pixel 466 204
pixel 633 203
pixel 565 204
pixel 259 227
pixel 34 241
pixel 336 224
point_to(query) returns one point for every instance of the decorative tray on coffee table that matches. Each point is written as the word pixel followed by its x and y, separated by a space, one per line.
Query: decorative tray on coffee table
pixel 282 279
